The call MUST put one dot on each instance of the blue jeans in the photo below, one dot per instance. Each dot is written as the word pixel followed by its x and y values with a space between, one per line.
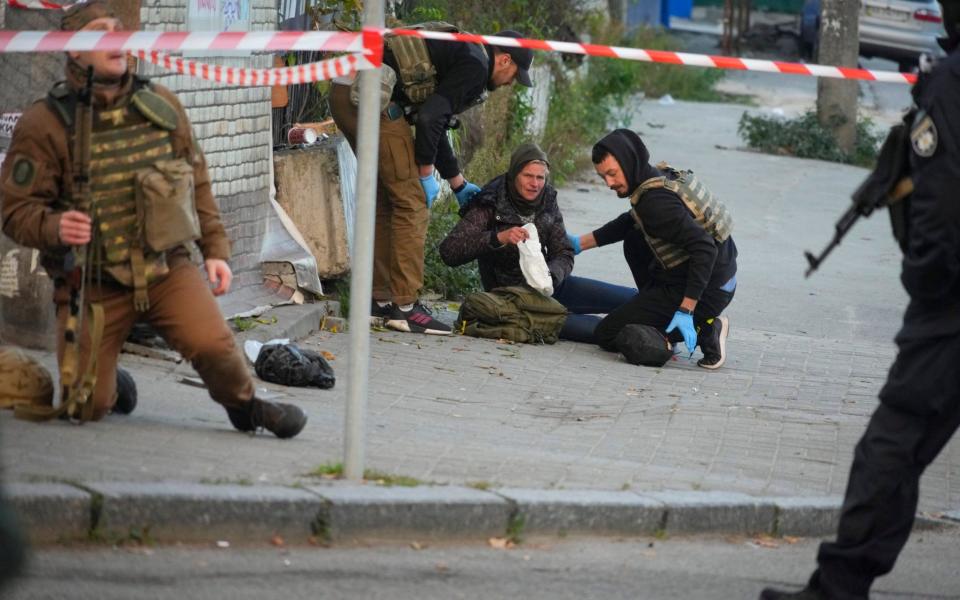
pixel 585 299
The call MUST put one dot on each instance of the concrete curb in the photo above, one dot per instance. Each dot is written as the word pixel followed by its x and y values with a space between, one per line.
pixel 347 513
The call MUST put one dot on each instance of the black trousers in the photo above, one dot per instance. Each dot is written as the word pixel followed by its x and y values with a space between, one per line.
pixel 919 412
pixel 655 303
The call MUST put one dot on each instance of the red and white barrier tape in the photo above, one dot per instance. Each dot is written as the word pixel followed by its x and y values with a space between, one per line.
pixel 80 41
pixel 676 58
pixel 308 73
pixel 36 4
pixel 369 42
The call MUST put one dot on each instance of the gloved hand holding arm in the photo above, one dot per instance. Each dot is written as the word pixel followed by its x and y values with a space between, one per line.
pixel 464 192
pixel 582 242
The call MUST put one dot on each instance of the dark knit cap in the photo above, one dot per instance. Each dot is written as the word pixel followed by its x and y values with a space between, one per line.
pixel 524 154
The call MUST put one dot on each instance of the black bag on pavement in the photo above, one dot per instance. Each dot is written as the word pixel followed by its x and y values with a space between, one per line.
pixel 287 364
pixel 644 345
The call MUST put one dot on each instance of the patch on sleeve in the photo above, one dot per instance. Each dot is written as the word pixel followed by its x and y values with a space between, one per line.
pixel 923 135
pixel 24 171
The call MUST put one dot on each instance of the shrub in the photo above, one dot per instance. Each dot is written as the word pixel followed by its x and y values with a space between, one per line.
pixel 805 137
pixel 449 282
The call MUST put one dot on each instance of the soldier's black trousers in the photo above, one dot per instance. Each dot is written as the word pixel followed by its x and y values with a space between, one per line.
pixel 655 303
pixel 919 411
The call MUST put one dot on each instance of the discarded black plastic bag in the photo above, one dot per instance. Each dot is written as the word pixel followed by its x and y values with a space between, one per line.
pixel 287 364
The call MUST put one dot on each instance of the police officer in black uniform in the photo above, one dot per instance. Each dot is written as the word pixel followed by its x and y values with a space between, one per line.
pixel 920 404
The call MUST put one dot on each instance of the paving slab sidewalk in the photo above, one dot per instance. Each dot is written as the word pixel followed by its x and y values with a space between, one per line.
pixel 571 434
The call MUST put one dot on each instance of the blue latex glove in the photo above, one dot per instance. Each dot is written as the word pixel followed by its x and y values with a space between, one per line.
pixel 430 188
pixel 575 242
pixel 684 323
pixel 469 190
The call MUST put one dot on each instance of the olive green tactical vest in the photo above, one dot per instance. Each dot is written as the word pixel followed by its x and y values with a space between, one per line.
pixel 123 142
pixel 415 69
pixel 705 208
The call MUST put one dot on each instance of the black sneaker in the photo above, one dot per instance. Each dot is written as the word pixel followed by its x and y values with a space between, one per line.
pixel 126 393
pixel 282 420
pixel 416 320
pixel 714 346
pixel 380 312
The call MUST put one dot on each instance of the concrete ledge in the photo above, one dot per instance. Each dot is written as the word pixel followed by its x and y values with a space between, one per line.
pixel 177 511
pixel 422 512
pixel 294 321
pixel 51 512
pixel 704 512
pixel 808 517
pixel 558 512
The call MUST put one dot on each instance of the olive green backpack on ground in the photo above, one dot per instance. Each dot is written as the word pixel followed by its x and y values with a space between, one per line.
pixel 517 313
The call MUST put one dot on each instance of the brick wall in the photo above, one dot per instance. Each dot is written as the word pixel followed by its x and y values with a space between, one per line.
pixel 232 124
pixel 233 127
pixel 27 77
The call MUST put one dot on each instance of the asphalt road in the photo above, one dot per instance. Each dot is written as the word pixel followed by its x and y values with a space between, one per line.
pixel 707 568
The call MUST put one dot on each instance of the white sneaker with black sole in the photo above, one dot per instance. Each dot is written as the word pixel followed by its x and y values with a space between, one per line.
pixel 416 320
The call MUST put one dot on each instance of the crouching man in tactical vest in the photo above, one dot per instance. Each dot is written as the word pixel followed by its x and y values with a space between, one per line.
pixel 676 239
pixel 425 84
pixel 105 178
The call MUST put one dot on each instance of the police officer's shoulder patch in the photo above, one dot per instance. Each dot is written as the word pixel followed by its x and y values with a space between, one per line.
pixel 923 135
pixel 24 171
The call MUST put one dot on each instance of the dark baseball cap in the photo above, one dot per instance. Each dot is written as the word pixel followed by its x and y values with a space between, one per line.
pixel 522 57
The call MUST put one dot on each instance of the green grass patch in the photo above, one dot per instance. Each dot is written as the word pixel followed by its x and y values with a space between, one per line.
pixel 805 137
pixel 248 323
pixel 480 485
pixel 515 528
pixel 335 471
pixel 226 481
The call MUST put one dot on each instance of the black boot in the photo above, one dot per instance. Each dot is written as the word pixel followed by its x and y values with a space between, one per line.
pixel 282 420
pixel 126 393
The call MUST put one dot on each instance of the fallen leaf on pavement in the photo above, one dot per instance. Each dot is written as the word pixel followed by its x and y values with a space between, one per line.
pixel 277 541
pixel 765 541
pixel 328 355
pixel 417 545
pixel 442 567
pixel 791 539
pixel 500 543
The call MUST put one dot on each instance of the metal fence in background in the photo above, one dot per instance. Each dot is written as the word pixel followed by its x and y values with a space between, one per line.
pixel 304 102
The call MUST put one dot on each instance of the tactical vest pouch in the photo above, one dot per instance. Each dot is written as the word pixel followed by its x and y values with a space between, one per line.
pixel 417 74
pixel 166 206
pixel 517 313
pixel 388 80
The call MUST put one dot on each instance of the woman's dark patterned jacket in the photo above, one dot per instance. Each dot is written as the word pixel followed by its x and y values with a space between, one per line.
pixel 488 213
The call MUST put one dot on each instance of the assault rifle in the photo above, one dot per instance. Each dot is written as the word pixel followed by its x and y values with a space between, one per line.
pixel 887 186
pixel 77 267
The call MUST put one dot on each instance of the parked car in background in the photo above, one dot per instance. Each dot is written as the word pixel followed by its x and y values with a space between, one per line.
pixel 898 30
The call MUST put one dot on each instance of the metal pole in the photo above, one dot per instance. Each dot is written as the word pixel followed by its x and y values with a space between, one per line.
pixel 361 279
